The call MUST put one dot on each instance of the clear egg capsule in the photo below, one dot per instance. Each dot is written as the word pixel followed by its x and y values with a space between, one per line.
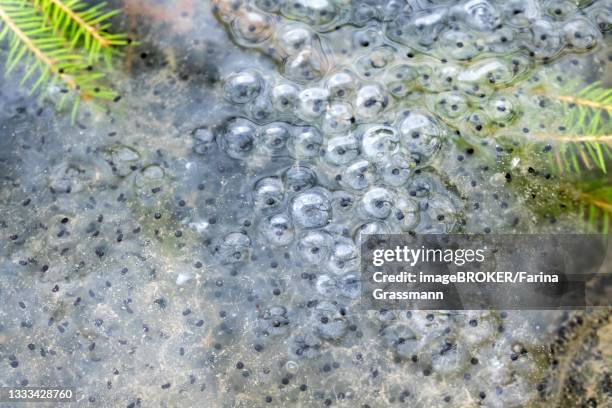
pixel 272 139
pixel 339 118
pixel 369 228
pixel 274 321
pixel 232 248
pixel 261 109
pixel 341 84
pixel 270 6
pixel 349 285
pixel 268 194
pixel 377 203
pixel 203 140
pixel 438 215
pixel 449 105
pixel 251 28
pixel 580 34
pixel 312 103
pixel 284 97
pixel 293 38
pixel 342 203
pixel 358 175
pixel 312 208
pixel 123 159
pixel 306 143
pixel 397 170
pixel 406 214
pixel 544 40
pixel 277 229
pixel 344 256
pixel 237 138
pixel 330 320
pixel 305 66
pixel 341 150
pixel 401 339
pixel 375 61
pixel 400 80
pixel 481 15
pixel 371 101
pixel 314 247
pixel 242 87
pixel 78 174
pixel 459 44
pixel 379 142
pixel 363 13
pixel 502 109
pixel 367 38
pixel 420 134
pixel 421 28
pixel 150 177
pixel 317 13
pixel 298 178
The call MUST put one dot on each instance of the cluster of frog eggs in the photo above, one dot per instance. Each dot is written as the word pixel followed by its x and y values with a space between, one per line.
pixel 459 30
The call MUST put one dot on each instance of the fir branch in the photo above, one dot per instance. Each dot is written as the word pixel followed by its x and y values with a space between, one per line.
pixel 575 138
pixel 84 26
pixel 586 117
pixel 46 58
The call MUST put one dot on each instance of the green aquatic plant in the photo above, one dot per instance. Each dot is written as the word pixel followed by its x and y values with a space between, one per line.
pixel 568 171
pixel 57 43
pixel 586 142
